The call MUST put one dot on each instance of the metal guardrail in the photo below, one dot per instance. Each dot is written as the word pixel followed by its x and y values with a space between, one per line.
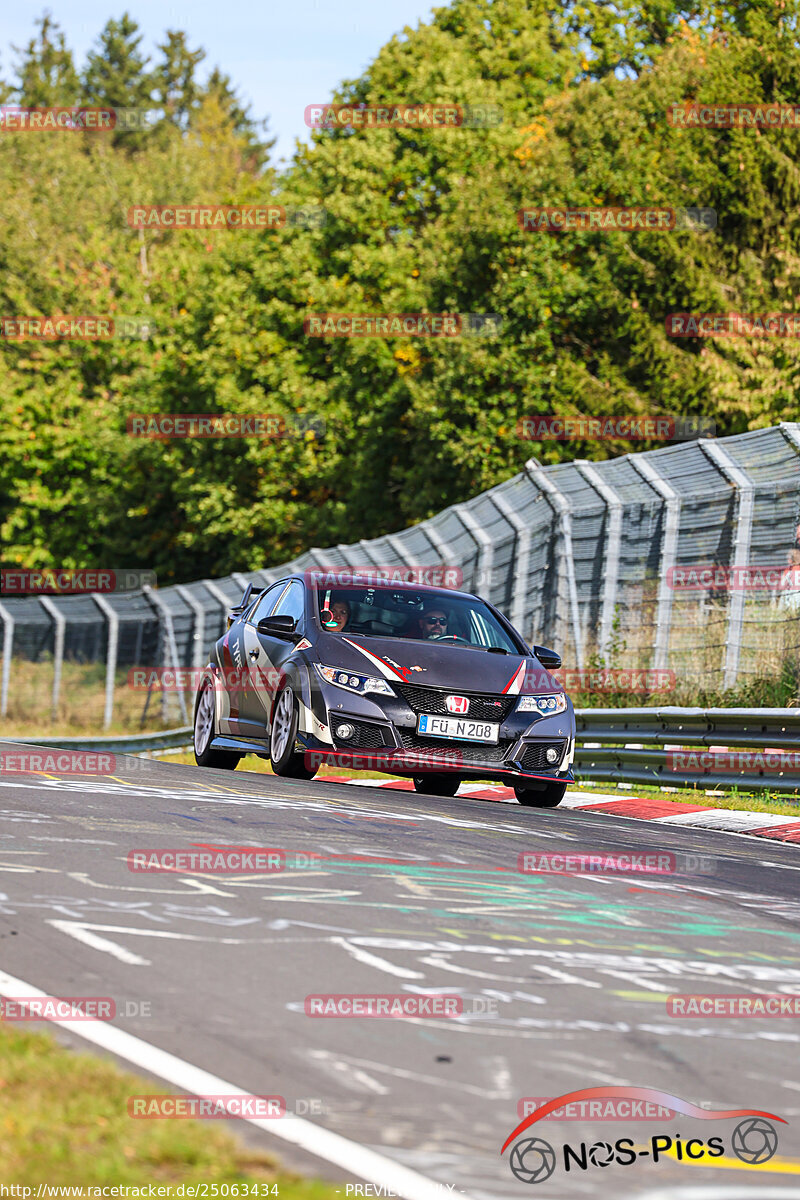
pixel 138 743
pixel 606 749
pixel 750 748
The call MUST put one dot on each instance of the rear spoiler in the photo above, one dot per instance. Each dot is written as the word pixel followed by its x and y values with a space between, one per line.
pixel 250 593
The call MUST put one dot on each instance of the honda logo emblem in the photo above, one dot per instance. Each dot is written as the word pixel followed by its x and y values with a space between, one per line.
pixel 457 704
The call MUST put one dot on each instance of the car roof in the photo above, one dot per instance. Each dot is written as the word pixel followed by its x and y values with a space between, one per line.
pixel 395 587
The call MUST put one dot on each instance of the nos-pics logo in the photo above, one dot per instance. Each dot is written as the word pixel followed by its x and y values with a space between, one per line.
pixel 533 1160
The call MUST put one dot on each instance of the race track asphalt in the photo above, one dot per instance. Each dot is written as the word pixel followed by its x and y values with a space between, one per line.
pixel 412 895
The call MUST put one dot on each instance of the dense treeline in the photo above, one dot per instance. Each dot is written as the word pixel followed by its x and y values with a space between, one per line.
pixel 417 221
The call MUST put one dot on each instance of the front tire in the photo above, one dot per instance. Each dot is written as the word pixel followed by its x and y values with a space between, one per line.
pixel 437 785
pixel 550 796
pixel 203 735
pixel 283 757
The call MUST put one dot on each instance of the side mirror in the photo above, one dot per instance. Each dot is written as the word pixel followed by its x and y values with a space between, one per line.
pixel 282 627
pixel 548 658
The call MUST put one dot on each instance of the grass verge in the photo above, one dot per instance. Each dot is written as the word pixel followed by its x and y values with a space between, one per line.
pixel 64 1120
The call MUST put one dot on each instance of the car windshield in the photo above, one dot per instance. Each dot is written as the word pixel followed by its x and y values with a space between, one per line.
pixel 429 615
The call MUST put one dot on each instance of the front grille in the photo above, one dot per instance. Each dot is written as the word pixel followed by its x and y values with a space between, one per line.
pixel 366 737
pixel 432 700
pixel 534 757
pixel 467 752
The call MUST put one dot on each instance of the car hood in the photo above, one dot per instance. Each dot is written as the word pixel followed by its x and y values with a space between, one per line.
pixel 425 664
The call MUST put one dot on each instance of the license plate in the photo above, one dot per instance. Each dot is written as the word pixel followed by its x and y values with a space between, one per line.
pixel 458 729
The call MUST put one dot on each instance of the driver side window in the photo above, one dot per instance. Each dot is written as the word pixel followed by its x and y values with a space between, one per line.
pixel 265 605
pixel 293 604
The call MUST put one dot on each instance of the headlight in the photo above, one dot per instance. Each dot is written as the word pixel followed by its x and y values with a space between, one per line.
pixel 545 706
pixel 352 682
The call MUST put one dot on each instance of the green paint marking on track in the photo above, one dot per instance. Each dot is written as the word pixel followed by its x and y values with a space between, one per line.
pixel 652 997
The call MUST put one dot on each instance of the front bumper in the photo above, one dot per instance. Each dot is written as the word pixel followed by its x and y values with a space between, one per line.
pixel 386 739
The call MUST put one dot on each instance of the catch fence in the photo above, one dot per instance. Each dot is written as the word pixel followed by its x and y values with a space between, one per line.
pixel 685 558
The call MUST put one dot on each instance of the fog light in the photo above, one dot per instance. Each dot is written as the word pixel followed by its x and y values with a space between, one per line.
pixel 551 755
pixel 344 731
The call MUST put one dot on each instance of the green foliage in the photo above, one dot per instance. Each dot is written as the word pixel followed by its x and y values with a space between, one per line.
pixel 418 221
pixel 116 73
pixel 46 72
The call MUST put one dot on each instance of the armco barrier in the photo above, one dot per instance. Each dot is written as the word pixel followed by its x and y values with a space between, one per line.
pixel 622 745
pixel 138 743
pixel 631 745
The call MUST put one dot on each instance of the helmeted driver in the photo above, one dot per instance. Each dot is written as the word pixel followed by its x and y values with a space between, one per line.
pixel 340 611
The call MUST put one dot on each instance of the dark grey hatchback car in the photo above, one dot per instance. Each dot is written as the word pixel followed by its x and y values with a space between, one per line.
pixel 424 682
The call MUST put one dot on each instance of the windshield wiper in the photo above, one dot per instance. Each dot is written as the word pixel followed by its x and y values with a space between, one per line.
pixel 495 650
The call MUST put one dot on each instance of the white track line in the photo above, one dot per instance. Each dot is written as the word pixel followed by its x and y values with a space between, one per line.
pixel 350 1156
pixel 728 818
pixel 723 820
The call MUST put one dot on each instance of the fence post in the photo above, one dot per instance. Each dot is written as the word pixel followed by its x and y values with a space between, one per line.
pixel 199 625
pixel 669 553
pixel 520 562
pixel 613 504
pixel 345 550
pixel 745 492
pixel 111 654
pixel 483 569
pixel 318 556
pixel 559 503
pixel 166 615
pixel 791 431
pixel 400 550
pixel 8 640
pixel 437 541
pixel 221 598
pixel 58 653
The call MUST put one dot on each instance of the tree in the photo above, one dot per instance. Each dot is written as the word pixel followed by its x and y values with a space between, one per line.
pixel 220 89
pixel 116 73
pixel 174 83
pixel 46 73
pixel 417 222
